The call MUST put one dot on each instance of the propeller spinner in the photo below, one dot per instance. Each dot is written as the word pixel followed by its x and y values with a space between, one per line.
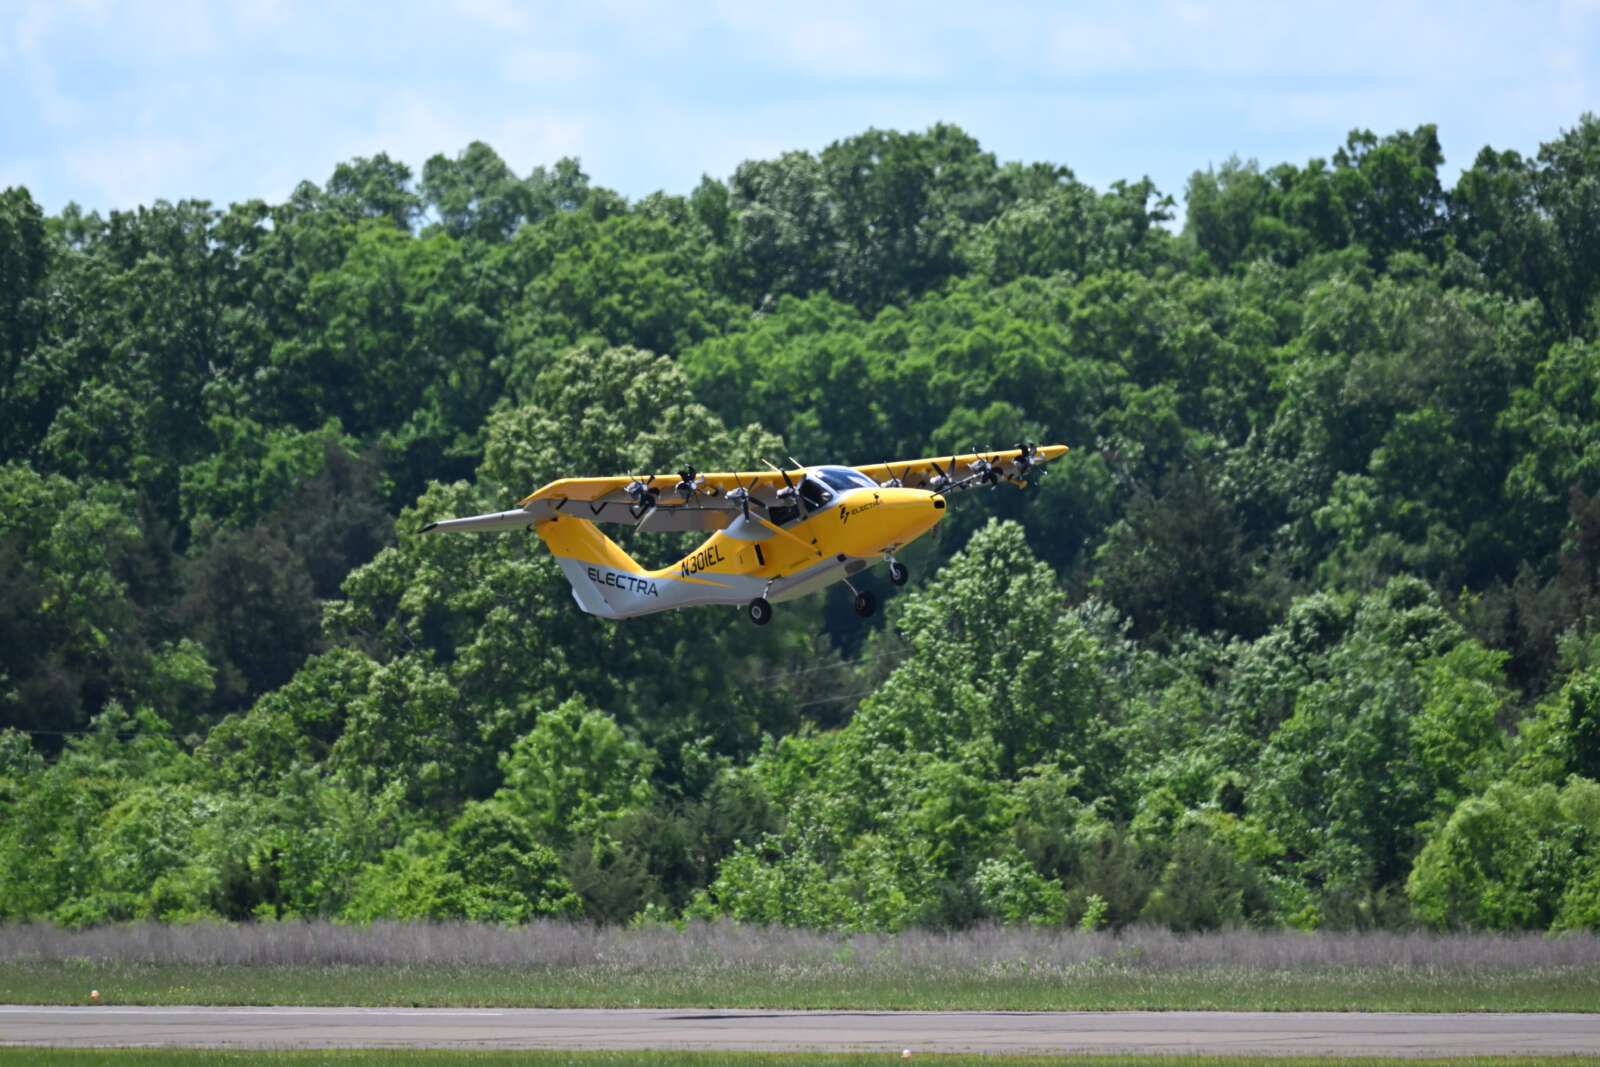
pixel 740 496
pixel 642 494
pixel 985 471
pixel 1028 460
pixel 689 483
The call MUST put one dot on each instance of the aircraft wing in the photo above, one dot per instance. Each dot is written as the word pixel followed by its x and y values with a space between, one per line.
pixel 712 488
pixel 609 500
pixel 764 485
pixel 923 473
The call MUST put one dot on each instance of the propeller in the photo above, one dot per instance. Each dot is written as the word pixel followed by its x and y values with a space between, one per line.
pixel 689 483
pixel 787 493
pixel 894 481
pixel 943 481
pixel 741 496
pixel 1027 460
pixel 642 495
pixel 985 470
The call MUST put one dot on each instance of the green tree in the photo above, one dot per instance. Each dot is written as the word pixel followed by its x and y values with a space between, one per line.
pixel 24 262
pixel 476 194
pixel 505 874
pixel 573 772
pixel 1512 858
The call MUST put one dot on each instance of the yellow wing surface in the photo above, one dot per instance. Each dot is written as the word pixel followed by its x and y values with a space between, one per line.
pixel 714 486
pixel 923 473
pixel 600 495
pixel 657 500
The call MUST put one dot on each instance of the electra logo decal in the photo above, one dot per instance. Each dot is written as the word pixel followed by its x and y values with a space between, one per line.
pixel 846 512
pixel 628 583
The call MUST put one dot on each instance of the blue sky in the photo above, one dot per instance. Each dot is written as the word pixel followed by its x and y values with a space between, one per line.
pixel 116 104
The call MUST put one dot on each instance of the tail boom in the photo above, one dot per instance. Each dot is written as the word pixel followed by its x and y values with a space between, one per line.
pixel 606 581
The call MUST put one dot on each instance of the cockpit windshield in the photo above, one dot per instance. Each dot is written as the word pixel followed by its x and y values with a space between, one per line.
pixel 844 479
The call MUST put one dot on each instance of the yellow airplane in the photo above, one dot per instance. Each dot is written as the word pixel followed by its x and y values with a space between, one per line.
pixel 779 534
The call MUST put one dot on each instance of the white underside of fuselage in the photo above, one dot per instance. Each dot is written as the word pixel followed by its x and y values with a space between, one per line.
pixel 614 594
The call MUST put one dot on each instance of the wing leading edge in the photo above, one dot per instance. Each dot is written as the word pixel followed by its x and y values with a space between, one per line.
pixel 924 473
pixel 608 500
pixel 916 473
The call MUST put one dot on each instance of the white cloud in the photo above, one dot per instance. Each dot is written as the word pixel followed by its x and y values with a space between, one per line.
pixel 541 66
pixel 188 98
pixel 499 14
pixel 539 140
pixel 128 171
pixel 414 129
pixel 833 40
pixel 259 14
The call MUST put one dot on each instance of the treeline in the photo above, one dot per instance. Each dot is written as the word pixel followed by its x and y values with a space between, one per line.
pixel 1303 631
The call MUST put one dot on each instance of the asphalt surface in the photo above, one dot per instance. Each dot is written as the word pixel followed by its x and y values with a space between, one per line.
pixel 1184 1032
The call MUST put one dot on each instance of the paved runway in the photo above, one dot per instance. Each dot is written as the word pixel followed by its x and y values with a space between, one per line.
pixel 1187 1032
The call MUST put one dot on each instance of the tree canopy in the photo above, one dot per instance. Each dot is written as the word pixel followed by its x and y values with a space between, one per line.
pixel 1305 631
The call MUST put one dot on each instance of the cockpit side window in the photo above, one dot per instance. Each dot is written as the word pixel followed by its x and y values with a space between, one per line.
pixel 813 493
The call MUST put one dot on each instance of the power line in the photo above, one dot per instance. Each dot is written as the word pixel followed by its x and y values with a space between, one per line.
pixel 823 667
pixel 84 730
pixel 833 699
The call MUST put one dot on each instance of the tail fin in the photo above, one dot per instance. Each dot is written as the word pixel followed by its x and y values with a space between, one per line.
pixel 605 580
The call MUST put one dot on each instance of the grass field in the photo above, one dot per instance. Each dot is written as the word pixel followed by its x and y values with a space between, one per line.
pixel 436 1058
pixel 1109 988
pixel 564 965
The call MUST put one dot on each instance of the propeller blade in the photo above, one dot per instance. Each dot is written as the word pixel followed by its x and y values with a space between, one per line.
pixel 787 492
pixel 742 496
pixel 781 471
pixel 642 494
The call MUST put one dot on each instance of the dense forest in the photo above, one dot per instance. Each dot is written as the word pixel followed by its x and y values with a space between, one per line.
pixel 1305 631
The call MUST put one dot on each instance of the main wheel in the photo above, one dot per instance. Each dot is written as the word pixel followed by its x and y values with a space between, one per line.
pixel 760 611
pixel 866 603
pixel 898 573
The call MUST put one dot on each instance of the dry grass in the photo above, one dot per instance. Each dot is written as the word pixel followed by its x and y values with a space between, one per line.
pixel 657 1058
pixel 727 946
pixel 724 965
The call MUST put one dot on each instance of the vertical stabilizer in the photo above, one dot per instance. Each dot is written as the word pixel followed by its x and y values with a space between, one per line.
pixel 605 580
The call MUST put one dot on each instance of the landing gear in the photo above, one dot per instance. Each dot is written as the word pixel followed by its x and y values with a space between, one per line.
pixel 898 572
pixel 866 603
pixel 760 611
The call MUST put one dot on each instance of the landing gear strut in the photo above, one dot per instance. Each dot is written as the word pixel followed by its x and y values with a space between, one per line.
pixel 760 611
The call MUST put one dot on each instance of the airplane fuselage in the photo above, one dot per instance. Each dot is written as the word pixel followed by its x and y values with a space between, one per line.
pixel 778 534
pixel 830 543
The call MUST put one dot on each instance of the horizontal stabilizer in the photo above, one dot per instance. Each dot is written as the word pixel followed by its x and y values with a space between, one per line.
pixel 516 519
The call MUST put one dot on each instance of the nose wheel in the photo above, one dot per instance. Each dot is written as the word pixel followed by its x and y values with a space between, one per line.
pixel 898 572
pixel 760 611
pixel 866 603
